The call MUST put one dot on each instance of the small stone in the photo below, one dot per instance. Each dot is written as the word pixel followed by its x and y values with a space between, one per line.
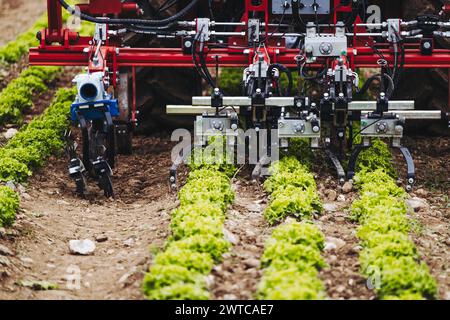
pixel 331 194
pixel 101 238
pixel 10 133
pixel 341 198
pixel 82 247
pixel 210 281
pixel 11 185
pixel 356 249
pixel 110 252
pixel 339 243
pixel 351 282
pixel 416 203
pixel 62 202
pixel 12 233
pixel 251 263
pixel 340 289
pixel 329 246
pixel 126 276
pixel 230 296
pixel 421 192
pixel 230 237
pixel 330 207
pixel 129 242
pixel 347 187
pixel 4 251
pixel 26 260
pixel 4 261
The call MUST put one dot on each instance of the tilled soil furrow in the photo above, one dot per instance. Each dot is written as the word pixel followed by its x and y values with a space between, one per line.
pixel 238 275
pixel 342 277
pixel 122 230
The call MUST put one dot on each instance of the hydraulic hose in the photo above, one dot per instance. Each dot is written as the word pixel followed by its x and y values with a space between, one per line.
pixel 390 89
pixel 135 22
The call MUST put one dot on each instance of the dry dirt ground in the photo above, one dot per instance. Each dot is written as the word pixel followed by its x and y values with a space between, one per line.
pixel 130 228
pixel 126 229
pixel 17 16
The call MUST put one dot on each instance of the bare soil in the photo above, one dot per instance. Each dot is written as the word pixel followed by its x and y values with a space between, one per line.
pixel 131 225
pixel 17 16
pixel 239 273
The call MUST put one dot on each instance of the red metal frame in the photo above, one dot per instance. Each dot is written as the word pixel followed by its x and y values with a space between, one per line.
pixel 71 49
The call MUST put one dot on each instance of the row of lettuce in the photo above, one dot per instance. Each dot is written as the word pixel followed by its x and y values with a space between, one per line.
pixel 17 97
pixel 29 149
pixel 197 239
pixel 389 258
pixel 292 255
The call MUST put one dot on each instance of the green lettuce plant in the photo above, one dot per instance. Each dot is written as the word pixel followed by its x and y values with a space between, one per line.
pixel 291 260
pixel 388 253
pixel 9 203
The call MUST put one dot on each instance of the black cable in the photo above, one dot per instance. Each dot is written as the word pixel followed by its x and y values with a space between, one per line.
pixel 166 5
pixel 285 70
pixel 162 22
pixel 365 128
pixel 367 84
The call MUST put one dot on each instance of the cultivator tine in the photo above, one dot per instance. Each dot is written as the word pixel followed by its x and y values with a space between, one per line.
pixel 76 166
pixel 337 165
pixel 103 173
pixel 411 175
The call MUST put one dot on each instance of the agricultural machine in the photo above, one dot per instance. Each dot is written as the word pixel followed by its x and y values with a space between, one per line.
pixel 322 43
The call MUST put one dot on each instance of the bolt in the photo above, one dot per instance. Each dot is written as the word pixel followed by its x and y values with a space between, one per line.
pixel 316 129
pixel 172 179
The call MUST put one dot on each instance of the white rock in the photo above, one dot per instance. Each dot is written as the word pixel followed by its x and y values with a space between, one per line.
pixel 416 203
pixel 10 133
pixel 26 260
pixel 330 207
pixel 251 263
pixel 83 247
pixel 329 246
pixel 230 237
pixel 11 185
pixel 4 251
pixel 129 242
pixel 230 296
pixel 347 187
pixel 341 198
pixel 338 243
pixel 210 280
pixel 62 202
pixel 331 194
